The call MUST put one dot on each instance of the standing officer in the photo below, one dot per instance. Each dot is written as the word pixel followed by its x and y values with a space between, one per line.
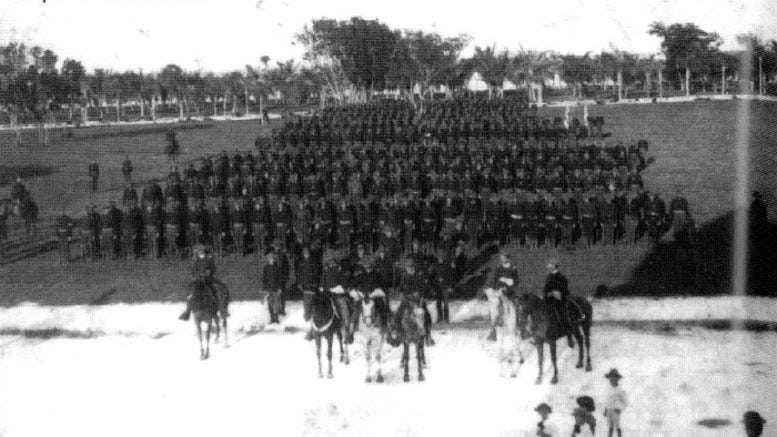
pixel 94 174
pixel 114 219
pixel 137 229
pixel 273 282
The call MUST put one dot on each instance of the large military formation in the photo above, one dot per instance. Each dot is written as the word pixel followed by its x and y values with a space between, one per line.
pixel 385 178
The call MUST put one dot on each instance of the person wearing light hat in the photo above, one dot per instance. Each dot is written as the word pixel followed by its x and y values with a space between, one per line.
pixel 754 424
pixel 544 427
pixel 556 291
pixel 615 402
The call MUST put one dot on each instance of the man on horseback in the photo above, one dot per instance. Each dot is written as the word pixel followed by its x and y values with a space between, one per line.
pixel 203 271
pixel 556 291
pixel 412 289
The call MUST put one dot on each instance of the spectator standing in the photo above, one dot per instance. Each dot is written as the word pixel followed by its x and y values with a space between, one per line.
pixel 615 403
pixel 126 170
pixel 94 174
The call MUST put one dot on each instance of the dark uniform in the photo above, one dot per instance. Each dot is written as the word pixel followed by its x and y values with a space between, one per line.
pixel 273 281
pixel 556 281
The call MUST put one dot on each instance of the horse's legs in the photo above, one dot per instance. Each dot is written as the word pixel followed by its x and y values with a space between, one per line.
pixel 329 341
pixel 420 359
pixel 553 380
pixel 368 357
pixel 540 353
pixel 344 348
pixel 405 359
pixel 226 335
pixel 199 336
pixel 207 339
pixel 318 355
pixel 587 336
pixel 218 328
pixel 579 340
pixel 378 357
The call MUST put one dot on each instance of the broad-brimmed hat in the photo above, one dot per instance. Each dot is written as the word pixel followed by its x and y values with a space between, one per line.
pixel 613 373
pixel 543 407
pixel 752 417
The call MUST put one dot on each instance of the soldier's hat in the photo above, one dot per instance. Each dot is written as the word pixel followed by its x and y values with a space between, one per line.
pixel 586 403
pixel 543 407
pixel 613 373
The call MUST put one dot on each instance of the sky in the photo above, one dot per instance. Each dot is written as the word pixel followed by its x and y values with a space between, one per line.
pixel 225 35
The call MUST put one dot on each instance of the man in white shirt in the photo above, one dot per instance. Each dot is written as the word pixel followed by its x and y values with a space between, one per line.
pixel 615 403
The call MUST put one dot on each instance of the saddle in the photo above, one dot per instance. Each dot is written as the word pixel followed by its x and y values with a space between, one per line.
pixel 574 312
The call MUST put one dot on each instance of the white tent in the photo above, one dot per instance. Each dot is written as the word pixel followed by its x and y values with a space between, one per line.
pixel 508 85
pixel 476 83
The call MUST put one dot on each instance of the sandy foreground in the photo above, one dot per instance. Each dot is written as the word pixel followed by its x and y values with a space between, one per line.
pixel 135 371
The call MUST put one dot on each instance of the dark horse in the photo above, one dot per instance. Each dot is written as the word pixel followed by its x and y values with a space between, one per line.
pixel 205 308
pixel 325 322
pixel 411 327
pixel 540 321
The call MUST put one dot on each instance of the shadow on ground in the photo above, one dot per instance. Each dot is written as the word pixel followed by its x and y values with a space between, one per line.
pixel 706 268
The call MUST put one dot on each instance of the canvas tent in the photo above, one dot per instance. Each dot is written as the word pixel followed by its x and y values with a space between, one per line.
pixel 476 83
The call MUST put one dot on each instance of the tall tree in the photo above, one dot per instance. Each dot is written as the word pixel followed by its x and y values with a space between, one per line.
pixel 687 48
pixel 73 75
pixel 363 49
pixel 172 82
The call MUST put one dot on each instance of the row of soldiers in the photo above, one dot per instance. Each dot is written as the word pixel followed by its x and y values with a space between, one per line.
pixel 362 173
pixel 439 220
pixel 458 121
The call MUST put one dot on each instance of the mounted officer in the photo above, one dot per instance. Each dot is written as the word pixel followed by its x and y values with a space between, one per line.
pixel 203 271
pixel 556 291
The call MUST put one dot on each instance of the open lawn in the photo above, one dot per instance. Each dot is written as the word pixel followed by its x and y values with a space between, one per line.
pixel 693 143
pixel 679 380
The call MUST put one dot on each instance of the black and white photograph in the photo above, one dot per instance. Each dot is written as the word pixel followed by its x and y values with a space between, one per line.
pixel 388 218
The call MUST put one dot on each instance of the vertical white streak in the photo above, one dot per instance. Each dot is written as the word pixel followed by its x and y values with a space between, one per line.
pixel 742 186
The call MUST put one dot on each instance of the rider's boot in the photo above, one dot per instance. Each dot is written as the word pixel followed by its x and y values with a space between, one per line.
pixel 569 329
pixel 309 335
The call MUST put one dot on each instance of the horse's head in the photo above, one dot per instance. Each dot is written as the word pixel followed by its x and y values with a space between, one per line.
pixel 368 311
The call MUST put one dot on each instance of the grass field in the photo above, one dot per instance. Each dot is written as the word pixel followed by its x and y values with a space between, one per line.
pixel 693 143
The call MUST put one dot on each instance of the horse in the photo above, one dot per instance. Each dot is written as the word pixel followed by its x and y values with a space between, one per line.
pixel 343 307
pixel 504 317
pixel 205 308
pixel 542 323
pixel 412 328
pixel 223 299
pixel 319 308
pixel 374 313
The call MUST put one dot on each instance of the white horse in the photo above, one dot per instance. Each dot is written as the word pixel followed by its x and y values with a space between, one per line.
pixel 504 318
pixel 373 313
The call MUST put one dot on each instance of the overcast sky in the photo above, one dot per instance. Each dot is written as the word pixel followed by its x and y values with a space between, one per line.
pixel 225 35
